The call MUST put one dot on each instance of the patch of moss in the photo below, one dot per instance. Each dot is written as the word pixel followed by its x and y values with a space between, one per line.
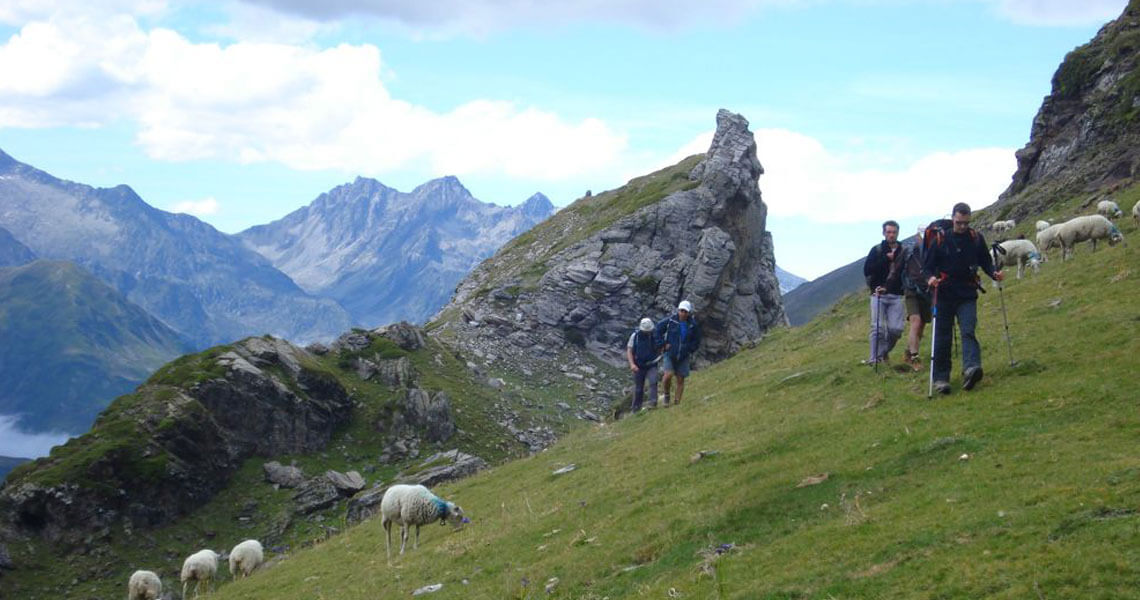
pixel 192 369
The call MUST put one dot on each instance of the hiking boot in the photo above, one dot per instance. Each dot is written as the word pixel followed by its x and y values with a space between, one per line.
pixel 971 378
pixel 942 387
pixel 913 360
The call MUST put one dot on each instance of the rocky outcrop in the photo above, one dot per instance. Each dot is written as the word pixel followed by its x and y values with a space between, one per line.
pixel 163 451
pixel 283 476
pixel 1085 139
pixel 706 243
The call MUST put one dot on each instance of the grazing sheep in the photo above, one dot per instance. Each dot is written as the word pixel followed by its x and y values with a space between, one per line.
pixel 246 557
pixel 1019 252
pixel 1136 211
pixel 144 585
pixel 200 567
pixel 1001 226
pixel 415 505
pixel 1108 208
pixel 1042 225
pixel 1047 239
pixel 1086 228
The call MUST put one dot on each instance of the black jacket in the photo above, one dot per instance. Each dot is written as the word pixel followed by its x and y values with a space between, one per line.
pixel 957 258
pixel 880 270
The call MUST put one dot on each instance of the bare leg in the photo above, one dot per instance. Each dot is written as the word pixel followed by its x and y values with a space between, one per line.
pixel 914 337
pixel 680 388
pixel 667 382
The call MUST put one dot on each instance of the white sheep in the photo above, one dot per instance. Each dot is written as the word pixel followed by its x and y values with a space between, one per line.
pixel 201 568
pixel 144 585
pixel 1108 208
pixel 1042 225
pixel 246 557
pixel 1047 239
pixel 1086 228
pixel 1136 211
pixel 1000 226
pixel 415 505
pixel 1019 252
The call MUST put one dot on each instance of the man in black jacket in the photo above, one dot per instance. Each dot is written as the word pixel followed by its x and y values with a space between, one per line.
pixel 882 272
pixel 951 268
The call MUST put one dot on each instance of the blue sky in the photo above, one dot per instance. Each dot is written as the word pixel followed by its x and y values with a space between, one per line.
pixel 242 111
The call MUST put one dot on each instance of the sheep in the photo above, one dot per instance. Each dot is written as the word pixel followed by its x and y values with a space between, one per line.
pixel 200 567
pixel 1019 252
pixel 1088 227
pixel 144 585
pixel 1042 225
pixel 1108 208
pixel 1000 226
pixel 1136 211
pixel 246 557
pixel 1046 239
pixel 415 505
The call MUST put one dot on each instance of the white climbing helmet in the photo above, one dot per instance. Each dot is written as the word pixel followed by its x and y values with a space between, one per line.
pixel 686 306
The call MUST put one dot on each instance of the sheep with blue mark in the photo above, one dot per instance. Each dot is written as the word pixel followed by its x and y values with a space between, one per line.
pixel 1019 252
pixel 1086 228
pixel 415 505
pixel 1108 208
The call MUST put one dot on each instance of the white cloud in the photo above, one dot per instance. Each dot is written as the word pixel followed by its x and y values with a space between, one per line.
pixel 1060 12
pixel 198 208
pixel 803 178
pixel 20 444
pixel 305 107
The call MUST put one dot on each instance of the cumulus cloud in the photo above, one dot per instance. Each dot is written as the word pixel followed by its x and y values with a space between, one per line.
pixel 804 179
pixel 198 208
pixel 20 444
pixel 302 106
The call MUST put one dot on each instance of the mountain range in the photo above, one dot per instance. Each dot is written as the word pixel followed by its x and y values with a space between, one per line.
pixel 386 255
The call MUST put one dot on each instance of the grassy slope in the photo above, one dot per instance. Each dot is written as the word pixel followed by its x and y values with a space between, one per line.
pixel 1044 506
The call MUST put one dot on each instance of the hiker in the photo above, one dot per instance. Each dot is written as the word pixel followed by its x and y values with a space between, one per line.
pixel 643 354
pixel 916 297
pixel 680 336
pixel 882 270
pixel 952 258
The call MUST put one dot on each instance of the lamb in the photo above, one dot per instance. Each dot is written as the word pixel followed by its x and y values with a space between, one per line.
pixel 1042 225
pixel 246 557
pixel 1000 226
pixel 1021 252
pixel 1108 208
pixel 1088 227
pixel 144 585
pixel 200 567
pixel 415 505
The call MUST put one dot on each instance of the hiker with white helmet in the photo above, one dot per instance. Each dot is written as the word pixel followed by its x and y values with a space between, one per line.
pixel 643 354
pixel 680 336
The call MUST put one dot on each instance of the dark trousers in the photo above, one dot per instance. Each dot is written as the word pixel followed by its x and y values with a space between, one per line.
pixel 965 311
pixel 639 378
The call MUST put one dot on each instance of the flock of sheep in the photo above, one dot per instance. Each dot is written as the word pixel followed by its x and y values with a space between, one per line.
pixel 1087 228
pixel 404 504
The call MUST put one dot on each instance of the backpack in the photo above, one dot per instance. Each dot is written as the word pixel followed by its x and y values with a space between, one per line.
pixel 917 286
pixel 938 231
pixel 644 348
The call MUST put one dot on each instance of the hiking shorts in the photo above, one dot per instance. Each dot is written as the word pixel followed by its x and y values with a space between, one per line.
pixel 917 305
pixel 679 368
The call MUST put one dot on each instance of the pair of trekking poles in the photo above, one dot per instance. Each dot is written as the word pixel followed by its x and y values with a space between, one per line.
pixel 934 328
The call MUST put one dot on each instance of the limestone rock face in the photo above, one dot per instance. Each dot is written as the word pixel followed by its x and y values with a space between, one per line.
pixel 1085 138
pixel 172 445
pixel 706 243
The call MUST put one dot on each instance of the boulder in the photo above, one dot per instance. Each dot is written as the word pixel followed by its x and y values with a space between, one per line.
pixel 443 466
pixel 407 336
pixel 315 494
pixel 365 505
pixel 284 476
pixel 346 483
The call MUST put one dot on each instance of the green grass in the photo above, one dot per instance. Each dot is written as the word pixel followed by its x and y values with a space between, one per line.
pixel 1043 506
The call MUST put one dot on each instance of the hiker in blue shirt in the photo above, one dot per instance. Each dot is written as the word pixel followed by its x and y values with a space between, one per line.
pixel 951 265
pixel 643 354
pixel 680 335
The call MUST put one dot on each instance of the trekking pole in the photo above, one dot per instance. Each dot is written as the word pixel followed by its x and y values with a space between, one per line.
pixel 933 336
pixel 1005 320
pixel 875 342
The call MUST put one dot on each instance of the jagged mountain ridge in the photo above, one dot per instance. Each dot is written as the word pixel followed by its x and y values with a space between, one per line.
pixel 582 279
pixel 202 283
pixel 12 252
pixel 70 344
pixel 1085 138
pixel 387 255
